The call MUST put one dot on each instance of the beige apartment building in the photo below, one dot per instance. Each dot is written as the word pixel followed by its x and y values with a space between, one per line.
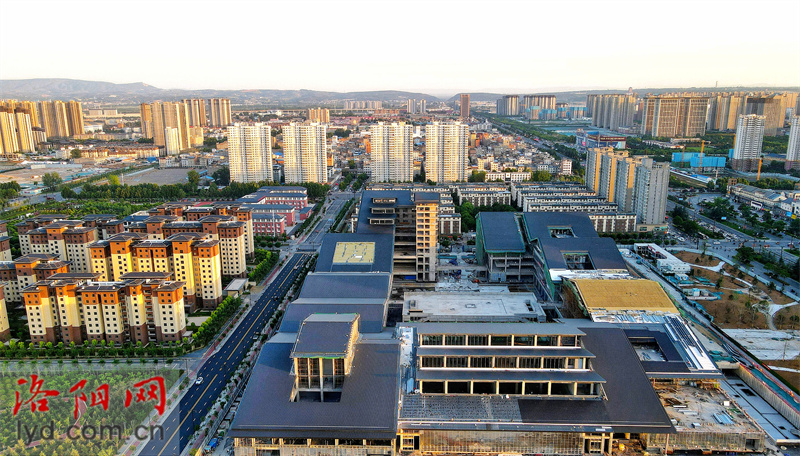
pixel 74 307
pixel 5 329
pixel 220 109
pixel 674 116
pixel 194 259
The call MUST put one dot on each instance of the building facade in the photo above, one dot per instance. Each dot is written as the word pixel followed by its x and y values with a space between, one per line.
pixel 793 149
pixel 749 138
pixel 305 153
pixel 391 156
pixel 674 116
pixel 446 158
pixel 250 152
pixel 220 109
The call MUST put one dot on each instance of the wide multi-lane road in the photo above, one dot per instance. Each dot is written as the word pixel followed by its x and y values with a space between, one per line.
pixel 181 422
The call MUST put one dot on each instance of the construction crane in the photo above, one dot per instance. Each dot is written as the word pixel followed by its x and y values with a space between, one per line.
pixel 700 165
pixel 758 175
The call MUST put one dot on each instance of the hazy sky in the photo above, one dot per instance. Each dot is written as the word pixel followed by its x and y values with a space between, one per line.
pixel 434 46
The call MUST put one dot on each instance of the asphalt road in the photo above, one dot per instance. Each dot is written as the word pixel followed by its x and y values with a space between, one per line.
pixel 338 200
pixel 180 423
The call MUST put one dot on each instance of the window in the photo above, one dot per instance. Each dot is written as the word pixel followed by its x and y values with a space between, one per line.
pixel 553 363
pixel 478 340
pixel 568 341
pixel 432 361
pixel 505 362
pixel 561 389
pixel 432 339
pixel 457 361
pixel 501 340
pixel 530 363
pixel 524 341
pixel 480 362
pixel 547 341
pixel 455 340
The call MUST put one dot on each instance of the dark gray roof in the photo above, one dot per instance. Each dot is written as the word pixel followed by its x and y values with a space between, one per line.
pixel 324 335
pixel 631 404
pixel 402 197
pixel 537 224
pixel 603 252
pixel 343 286
pixel 384 250
pixel 426 197
pixel 367 408
pixel 371 316
pixel 501 232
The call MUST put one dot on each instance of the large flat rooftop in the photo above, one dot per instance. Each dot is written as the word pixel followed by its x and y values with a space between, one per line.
pixel 601 296
pixel 471 306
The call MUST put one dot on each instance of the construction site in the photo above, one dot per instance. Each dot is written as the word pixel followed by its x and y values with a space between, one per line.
pixel 706 419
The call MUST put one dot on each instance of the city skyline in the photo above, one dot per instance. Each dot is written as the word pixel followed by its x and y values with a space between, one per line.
pixel 664 59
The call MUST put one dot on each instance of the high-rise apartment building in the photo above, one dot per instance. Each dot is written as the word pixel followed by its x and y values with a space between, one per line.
pixel 16 127
pixel 411 106
pixel 542 101
pixel 674 116
pixel 75 117
pixel 170 115
pixel 423 106
pixel 465 106
pixel 724 109
pixel 305 153
pixel 426 208
pixel 391 158
pixel 9 143
pixel 508 106
pixel 793 150
pixel 54 119
pixel 351 105
pixel 220 112
pixel 446 158
pixel 319 115
pixel 635 184
pixel 250 152
pixel 172 141
pixel 146 119
pixel 611 111
pixel 650 192
pixel 771 107
pixel 749 138
pixel 196 108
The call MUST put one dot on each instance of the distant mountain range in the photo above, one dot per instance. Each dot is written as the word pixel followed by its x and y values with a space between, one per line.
pixel 138 92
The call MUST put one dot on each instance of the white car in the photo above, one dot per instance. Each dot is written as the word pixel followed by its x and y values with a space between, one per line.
pixel 198 381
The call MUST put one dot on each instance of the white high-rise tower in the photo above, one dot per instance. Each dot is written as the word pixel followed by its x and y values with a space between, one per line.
pixel 250 152
pixel 305 153
pixel 391 152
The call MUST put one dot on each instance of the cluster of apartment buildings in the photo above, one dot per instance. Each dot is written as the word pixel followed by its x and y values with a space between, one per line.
pixel 481 372
pixel 177 126
pixel 25 124
pixel 636 184
pixel 538 107
pixel 750 132
pixel 685 115
pixel 180 250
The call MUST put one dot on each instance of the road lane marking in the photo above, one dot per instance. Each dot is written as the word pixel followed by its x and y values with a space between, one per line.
pixel 184 419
